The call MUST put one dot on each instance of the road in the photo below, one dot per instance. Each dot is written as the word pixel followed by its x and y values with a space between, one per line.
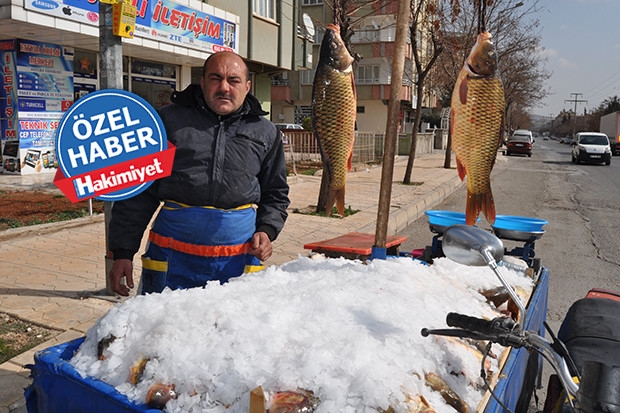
pixel 582 204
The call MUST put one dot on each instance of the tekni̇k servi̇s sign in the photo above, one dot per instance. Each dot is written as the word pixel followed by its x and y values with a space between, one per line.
pixel 111 145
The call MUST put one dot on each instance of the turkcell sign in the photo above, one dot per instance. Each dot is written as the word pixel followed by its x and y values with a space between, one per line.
pixel 111 145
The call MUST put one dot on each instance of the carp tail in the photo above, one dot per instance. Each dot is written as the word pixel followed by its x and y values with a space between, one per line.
pixel 476 203
pixel 339 197
pixel 335 197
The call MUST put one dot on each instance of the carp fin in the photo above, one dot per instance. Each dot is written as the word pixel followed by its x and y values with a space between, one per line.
pixel 461 169
pixel 350 162
pixel 488 208
pixel 463 88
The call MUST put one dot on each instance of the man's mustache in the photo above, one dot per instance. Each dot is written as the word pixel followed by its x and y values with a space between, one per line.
pixel 223 95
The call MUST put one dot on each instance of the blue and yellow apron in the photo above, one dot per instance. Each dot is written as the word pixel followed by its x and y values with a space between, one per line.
pixel 189 246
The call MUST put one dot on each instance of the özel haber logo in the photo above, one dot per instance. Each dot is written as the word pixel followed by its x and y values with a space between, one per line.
pixel 111 145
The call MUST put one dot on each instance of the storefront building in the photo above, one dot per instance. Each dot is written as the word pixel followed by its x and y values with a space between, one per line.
pixel 49 51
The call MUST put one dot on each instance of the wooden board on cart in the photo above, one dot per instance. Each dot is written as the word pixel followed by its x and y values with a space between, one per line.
pixel 354 245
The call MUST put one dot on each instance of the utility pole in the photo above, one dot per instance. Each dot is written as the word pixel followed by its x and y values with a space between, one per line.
pixel 111 77
pixel 551 122
pixel 575 100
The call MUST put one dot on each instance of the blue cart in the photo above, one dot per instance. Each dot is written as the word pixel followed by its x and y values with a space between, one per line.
pixel 57 387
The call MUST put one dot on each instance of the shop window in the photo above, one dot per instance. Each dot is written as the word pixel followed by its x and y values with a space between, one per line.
pixel 196 74
pixel 153 81
pixel 156 92
pixel 141 67
pixel 85 73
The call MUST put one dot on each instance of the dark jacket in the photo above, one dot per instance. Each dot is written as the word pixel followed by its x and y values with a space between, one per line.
pixel 223 162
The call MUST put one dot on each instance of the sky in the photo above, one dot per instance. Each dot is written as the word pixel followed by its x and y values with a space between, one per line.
pixel 581 41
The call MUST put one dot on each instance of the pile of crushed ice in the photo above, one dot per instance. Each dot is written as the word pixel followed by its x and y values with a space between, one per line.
pixel 347 331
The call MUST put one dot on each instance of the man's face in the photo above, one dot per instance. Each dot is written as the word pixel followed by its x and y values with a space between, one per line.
pixel 224 83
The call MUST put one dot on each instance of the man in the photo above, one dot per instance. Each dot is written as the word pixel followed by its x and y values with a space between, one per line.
pixel 226 199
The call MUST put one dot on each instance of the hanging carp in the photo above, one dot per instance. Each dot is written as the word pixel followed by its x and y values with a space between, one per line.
pixel 476 118
pixel 333 113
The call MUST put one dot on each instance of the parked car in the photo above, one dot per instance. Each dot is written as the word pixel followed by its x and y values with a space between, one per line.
pixel 591 147
pixel 282 126
pixel 520 142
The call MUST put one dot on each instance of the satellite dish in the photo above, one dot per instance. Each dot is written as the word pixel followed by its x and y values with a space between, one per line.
pixel 308 24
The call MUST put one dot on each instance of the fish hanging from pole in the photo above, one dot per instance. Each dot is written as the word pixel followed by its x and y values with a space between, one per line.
pixel 333 113
pixel 476 119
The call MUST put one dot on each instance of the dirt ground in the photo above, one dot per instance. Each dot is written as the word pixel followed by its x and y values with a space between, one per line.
pixel 23 208
pixel 17 336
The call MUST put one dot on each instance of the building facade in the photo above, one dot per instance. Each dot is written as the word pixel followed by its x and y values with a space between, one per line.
pixel 374 27
pixel 51 57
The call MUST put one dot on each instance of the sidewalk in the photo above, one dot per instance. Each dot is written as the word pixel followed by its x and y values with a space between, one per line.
pixel 54 274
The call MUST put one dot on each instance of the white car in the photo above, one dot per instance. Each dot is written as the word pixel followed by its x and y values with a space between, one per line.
pixel 591 147
pixel 281 126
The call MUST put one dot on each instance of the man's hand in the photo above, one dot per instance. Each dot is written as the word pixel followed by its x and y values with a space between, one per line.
pixel 261 246
pixel 122 268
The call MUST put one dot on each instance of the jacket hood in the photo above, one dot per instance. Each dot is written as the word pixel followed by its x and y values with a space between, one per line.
pixel 192 96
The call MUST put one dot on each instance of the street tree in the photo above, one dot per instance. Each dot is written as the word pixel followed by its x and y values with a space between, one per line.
pixel 517 33
pixel 424 30
pixel 609 105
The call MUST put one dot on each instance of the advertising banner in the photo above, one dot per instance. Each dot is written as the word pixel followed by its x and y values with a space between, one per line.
pixel 162 20
pixel 9 143
pixel 37 89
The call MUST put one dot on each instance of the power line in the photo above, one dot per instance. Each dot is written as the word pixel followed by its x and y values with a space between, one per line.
pixel 575 100
pixel 603 87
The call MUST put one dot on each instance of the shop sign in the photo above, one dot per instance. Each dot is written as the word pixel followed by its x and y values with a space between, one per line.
pixel 8 91
pixel 161 20
pixel 111 145
pixel 36 88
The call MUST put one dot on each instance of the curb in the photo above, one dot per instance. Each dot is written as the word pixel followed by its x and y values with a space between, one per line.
pixel 42 229
pixel 402 218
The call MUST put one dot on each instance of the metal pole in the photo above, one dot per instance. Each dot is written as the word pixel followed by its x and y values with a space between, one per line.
pixel 391 129
pixel 110 77
pixel 575 100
